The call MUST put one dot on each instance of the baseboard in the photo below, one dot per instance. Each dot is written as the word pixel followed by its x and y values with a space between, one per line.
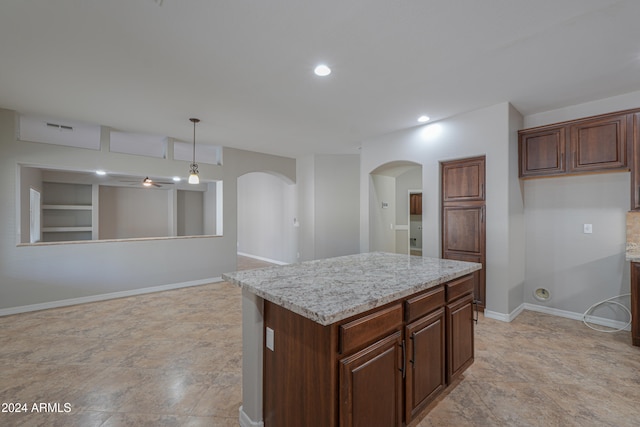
pixel 615 324
pixel 504 317
pixel 103 297
pixel 245 421
pixel 272 261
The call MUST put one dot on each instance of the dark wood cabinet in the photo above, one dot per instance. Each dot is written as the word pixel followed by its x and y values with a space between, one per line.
pixel 463 180
pixel 379 368
pixel 542 152
pixel 635 303
pixel 635 163
pixel 463 216
pixel 591 144
pixel 426 371
pixel 460 320
pixel 371 385
pixel 415 204
pixel 600 143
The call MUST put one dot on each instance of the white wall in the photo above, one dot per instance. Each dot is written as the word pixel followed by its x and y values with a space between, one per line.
pixel 266 210
pixel 36 274
pixel 489 131
pixel 578 269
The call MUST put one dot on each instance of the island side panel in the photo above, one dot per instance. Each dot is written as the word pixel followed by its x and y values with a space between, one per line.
pixel 252 364
pixel 300 374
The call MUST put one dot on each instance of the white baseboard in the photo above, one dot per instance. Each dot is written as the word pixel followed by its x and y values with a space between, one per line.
pixel 504 317
pixel 616 324
pixel 272 261
pixel 103 297
pixel 246 421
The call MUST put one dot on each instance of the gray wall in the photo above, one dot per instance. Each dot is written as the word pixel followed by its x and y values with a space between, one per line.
pixel 579 269
pixel 266 212
pixel 328 205
pixel 36 274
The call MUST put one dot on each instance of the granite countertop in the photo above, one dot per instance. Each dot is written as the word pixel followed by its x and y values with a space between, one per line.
pixel 329 290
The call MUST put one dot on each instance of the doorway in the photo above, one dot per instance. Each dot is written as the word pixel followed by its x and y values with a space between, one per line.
pixel 415 222
pixel 390 218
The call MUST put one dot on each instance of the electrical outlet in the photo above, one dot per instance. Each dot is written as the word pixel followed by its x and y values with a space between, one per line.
pixel 588 228
pixel 270 339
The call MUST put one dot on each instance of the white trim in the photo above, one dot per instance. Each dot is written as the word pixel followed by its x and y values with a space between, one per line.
pixel 272 261
pixel 504 317
pixel 103 297
pixel 245 421
pixel 616 324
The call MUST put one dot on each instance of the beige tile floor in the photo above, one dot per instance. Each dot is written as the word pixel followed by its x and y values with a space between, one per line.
pixel 173 359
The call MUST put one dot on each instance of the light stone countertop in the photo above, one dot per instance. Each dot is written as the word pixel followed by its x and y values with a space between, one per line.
pixel 330 290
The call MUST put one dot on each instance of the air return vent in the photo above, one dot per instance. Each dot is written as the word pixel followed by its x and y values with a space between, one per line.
pixel 60 127
pixel 53 131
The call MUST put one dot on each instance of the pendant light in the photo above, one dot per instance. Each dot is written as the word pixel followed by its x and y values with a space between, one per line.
pixel 193 169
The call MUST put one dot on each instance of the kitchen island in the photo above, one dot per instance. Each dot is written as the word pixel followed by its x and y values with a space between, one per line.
pixel 367 339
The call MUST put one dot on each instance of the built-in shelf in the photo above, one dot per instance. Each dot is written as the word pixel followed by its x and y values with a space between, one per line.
pixel 67 212
pixel 69 207
pixel 65 229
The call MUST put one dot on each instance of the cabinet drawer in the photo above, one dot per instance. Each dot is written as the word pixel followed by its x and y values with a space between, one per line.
pixel 369 328
pixel 423 304
pixel 459 287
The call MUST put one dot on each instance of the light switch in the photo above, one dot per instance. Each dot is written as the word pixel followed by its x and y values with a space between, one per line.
pixel 588 228
pixel 270 339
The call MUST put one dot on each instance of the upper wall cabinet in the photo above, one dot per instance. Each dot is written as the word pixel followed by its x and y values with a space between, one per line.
pixel 587 145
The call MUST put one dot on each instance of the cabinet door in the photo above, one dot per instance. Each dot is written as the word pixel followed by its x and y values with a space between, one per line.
pixel 542 152
pixel 371 385
pixel 459 336
pixel 463 180
pixel 635 303
pixel 599 144
pixel 635 163
pixel 415 204
pixel 426 375
pixel 463 239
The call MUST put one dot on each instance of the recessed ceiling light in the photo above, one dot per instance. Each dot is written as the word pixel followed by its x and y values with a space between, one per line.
pixel 100 172
pixel 322 70
pixel 423 119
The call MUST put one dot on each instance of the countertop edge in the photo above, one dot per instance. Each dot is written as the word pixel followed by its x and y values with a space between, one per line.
pixel 355 310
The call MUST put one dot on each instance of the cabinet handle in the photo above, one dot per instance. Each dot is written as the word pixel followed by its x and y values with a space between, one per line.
pixel 404 360
pixel 413 348
pixel 477 316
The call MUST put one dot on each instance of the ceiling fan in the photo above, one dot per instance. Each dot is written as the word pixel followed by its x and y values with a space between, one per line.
pixel 148 182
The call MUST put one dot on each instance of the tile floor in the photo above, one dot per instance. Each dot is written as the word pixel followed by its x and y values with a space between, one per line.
pixel 173 359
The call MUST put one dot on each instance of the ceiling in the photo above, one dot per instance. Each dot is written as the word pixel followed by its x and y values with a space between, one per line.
pixel 245 68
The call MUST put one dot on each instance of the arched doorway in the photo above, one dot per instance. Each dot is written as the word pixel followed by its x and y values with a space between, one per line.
pixel 393 225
